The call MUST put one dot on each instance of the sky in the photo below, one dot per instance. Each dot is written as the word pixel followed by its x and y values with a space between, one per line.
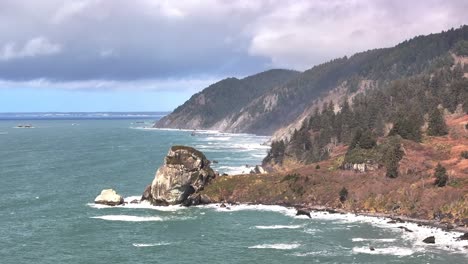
pixel 152 55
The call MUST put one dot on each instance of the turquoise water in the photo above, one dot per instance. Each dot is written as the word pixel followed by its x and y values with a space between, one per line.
pixel 51 174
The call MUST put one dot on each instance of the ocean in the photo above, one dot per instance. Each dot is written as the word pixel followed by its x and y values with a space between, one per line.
pixel 50 175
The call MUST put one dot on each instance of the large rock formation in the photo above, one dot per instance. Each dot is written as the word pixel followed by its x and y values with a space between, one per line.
pixel 185 172
pixel 109 197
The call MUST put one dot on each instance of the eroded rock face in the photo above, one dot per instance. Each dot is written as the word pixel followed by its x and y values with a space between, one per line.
pixel 185 172
pixel 109 197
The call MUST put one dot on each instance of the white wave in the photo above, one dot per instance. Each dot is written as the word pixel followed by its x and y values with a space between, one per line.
pixel 129 218
pixel 257 207
pixel 217 138
pixel 233 169
pixel 276 246
pixel 359 239
pixel 444 240
pixel 141 205
pixel 151 244
pixel 279 227
pixel 396 251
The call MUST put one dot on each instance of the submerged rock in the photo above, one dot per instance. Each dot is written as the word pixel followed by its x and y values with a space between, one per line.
pixel 109 197
pixel 185 172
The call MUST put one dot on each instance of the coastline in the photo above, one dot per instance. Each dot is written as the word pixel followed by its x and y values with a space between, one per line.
pixel 419 229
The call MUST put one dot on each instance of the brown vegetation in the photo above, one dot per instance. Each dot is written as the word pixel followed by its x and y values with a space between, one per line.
pixel 412 194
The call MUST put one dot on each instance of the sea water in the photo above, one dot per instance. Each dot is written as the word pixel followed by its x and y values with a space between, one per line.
pixel 50 175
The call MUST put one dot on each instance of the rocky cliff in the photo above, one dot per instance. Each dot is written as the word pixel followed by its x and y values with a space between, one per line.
pixel 184 173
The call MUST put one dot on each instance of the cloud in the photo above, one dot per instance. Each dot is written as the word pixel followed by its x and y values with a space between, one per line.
pixel 126 43
pixel 183 84
pixel 39 46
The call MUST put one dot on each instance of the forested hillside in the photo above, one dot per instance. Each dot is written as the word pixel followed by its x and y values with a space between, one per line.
pixel 210 107
pixel 275 104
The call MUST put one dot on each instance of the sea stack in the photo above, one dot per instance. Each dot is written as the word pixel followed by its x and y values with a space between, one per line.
pixel 184 173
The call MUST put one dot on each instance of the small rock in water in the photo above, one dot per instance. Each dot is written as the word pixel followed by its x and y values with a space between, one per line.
pixel 463 237
pixel 429 240
pixel 405 228
pixel 303 212
pixel 134 201
pixel 372 248
pixel 109 197
pixel 222 205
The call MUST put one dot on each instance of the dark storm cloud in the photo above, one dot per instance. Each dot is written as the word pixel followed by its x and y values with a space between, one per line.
pixel 91 42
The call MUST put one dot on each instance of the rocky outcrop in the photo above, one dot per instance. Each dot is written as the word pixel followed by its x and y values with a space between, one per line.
pixel 109 197
pixel 303 212
pixel 429 240
pixel 258 170
pixel 184 173
pixel 361 167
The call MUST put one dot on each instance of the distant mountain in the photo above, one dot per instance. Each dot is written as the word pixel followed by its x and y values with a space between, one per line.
pixel 280 100
pixel 216 106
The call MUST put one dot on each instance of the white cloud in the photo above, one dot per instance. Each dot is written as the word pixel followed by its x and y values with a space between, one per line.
pixel 69 9
pixel 182 85
pixel 39 46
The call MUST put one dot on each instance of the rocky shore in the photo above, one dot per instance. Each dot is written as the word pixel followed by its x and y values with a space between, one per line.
pixel 187 179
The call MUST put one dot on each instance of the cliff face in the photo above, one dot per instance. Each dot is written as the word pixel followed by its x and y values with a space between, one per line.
pixel 185 172
pixel 217 106
pixel 279 100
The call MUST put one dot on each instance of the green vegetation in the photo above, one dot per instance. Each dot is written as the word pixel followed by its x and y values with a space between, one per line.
pixel 440 174
pixel 317 167
pixel 437 126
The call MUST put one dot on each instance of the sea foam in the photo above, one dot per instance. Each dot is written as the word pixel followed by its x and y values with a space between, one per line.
pixel 151 244
pixel 396 251
pixel 129 218
pixel 276 246
pixel 279 227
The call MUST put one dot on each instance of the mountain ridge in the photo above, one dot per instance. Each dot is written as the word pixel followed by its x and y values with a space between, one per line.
pixel 271 110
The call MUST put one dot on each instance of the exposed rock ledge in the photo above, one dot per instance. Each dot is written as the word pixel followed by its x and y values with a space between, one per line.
pixel 184 173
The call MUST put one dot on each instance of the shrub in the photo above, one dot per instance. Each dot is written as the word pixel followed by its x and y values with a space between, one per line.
pixel 317 167
pixel 343 194
pixel 290 177
pixel 440 173
pixel 464 154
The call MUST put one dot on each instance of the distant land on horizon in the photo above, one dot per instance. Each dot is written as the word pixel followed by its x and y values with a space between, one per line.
pixel 80 115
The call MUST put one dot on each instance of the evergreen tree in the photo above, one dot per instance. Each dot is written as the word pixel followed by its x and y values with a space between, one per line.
pixel 392 154
pixel 440 173
pixel 437 126
pixel 407 126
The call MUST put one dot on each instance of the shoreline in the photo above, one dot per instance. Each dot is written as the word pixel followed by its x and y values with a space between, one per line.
pixel 397 219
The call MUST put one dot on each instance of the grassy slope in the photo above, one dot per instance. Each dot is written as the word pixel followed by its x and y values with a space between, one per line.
pixel 412 194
